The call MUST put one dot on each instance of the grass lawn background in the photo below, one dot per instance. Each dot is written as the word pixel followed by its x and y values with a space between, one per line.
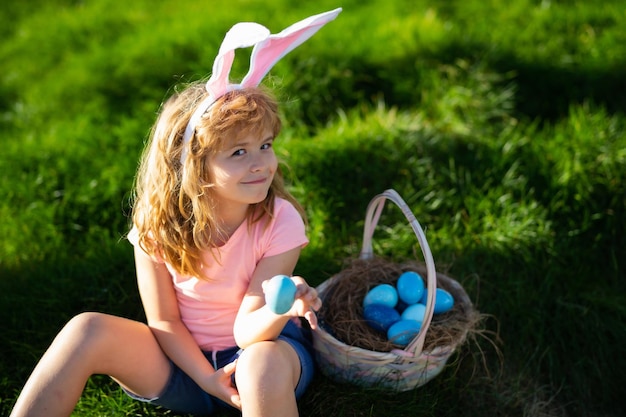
pixel 500 123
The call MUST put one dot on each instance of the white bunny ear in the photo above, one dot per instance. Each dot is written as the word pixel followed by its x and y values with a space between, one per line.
pixel 270 50
pixel 242 35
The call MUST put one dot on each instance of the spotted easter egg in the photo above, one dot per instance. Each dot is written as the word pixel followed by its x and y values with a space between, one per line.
pixel 403 331
pixel 410 287
pixel 380 317
pixel 384 294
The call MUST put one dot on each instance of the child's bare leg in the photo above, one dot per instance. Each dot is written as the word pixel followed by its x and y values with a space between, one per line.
pixel 267 374
pixel 93 343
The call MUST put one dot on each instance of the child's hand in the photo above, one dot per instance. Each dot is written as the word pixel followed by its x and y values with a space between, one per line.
pixel 307 301
pixel 220 385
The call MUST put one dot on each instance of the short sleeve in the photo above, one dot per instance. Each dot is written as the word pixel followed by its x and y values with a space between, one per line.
pixel 287 230
pixel 133 236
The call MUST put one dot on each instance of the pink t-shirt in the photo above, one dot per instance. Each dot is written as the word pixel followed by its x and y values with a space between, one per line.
pixel 209 307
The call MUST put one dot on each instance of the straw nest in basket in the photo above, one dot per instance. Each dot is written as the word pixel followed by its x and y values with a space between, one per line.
pixel 342 311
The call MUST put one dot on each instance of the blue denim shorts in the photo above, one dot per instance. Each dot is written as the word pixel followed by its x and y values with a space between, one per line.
pixel 183 395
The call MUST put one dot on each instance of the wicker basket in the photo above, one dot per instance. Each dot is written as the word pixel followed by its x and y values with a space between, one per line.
pixel 397 369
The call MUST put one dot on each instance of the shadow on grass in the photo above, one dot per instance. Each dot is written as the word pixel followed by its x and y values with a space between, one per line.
pixel 558 298
pixel 561 311
pixel 37 300
pixel 544 90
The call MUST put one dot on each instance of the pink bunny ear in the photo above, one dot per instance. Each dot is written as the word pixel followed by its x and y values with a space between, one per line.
pixel 269 51
pixel 242 35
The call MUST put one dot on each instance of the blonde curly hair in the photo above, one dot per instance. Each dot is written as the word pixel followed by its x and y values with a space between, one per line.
pixel 173 208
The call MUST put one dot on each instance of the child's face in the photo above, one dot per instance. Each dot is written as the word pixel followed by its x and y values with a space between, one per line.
pixel 243 171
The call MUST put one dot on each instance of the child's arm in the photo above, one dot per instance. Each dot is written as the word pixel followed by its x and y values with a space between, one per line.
pixel 255 321
pixel 161 307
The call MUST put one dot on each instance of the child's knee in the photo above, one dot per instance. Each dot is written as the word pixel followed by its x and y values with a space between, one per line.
pixel 85 323
pixel 273 363
pixel 269 356
pixel 88 329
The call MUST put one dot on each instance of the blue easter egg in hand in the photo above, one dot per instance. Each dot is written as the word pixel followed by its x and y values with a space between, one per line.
pixel 402 332
pixel 380 317
pixel 280 293
pixel 414 312
pixel 384 294
pixel 410 287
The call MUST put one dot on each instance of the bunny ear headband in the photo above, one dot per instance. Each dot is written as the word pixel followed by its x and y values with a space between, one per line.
pixel 268 50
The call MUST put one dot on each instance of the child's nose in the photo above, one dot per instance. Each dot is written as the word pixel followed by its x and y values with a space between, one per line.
pixel 258 162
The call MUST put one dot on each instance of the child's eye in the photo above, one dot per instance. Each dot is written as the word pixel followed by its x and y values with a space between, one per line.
pixel 239 152
pixel 267 145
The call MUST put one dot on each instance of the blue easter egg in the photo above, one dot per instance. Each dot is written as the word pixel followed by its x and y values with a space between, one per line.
pixel 414 312
pixel 384 294
pixel 410 287
pixel 280 293
pixel 403 331
pixel 380 317
pixel 444 301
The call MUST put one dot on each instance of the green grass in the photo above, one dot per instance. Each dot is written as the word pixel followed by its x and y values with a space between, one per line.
pixel 500 123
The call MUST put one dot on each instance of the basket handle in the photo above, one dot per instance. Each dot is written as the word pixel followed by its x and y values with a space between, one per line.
pixel 374 210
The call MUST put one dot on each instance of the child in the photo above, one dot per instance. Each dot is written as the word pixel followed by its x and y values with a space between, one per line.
pixel 212 223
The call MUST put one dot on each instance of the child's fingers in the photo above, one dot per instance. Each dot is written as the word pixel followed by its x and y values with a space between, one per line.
pixel 316 304
pixel 304 290
pixel 311 317
pixel 230 368
pixel 301 285
pixel 311 298
pixel 235 400
pixel 309 301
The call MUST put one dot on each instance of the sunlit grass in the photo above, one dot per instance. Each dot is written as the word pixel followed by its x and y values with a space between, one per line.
pixel 500 123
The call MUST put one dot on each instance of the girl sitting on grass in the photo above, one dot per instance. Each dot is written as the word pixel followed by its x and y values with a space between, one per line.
pixel 212 223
